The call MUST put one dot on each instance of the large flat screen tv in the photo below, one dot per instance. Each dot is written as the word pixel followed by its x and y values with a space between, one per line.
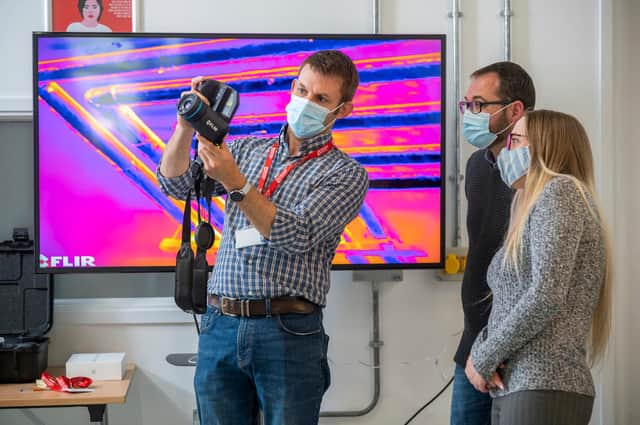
pixel 105 106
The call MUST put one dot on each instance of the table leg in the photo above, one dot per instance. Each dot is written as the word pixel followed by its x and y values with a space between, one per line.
pixel 98 414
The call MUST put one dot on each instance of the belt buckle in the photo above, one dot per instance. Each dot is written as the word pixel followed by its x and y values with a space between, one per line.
pixel 224 304
pixel 245 310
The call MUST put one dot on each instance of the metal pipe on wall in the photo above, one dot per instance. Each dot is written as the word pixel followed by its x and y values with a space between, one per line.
pixel 457 176
pixel 375 344
pixel 375 17
pixel 507 13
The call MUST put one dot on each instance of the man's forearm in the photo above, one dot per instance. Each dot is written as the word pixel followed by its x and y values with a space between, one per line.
pixel 176 157
pixel 259 210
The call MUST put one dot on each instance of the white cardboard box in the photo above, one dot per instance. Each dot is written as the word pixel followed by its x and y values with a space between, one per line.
pixel 97 366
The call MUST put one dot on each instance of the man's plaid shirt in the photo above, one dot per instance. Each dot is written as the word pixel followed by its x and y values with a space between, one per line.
pixel 313 205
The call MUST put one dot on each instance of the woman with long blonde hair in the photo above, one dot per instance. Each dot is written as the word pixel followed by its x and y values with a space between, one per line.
pixel 551 280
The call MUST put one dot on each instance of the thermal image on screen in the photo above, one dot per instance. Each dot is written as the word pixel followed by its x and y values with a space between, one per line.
pixel 106 107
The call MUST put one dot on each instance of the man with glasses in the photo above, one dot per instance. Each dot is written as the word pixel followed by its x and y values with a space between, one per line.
pixel 497 97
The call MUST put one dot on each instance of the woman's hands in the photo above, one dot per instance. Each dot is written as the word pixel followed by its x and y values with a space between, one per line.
pixel 478 382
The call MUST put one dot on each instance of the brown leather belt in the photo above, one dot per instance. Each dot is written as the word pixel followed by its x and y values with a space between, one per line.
pixel 252 308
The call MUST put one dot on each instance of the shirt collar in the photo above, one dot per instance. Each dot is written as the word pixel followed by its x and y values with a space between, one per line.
pixel 488 155
pixel 308 145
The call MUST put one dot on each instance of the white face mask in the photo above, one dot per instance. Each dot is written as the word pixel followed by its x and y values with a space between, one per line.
pixel 306 118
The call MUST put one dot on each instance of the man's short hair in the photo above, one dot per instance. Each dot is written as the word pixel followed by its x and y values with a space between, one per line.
pixel 337 64
pixel 515 83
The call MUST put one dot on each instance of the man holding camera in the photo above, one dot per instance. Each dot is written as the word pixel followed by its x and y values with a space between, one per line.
pixel 262 344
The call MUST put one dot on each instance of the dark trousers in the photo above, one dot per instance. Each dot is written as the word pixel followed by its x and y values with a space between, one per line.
pixel 538 407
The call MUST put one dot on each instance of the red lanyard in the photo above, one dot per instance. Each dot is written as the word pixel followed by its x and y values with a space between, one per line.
pixel 283 174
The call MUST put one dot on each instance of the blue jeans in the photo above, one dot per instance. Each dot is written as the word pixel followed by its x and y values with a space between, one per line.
pixel 275 364
pixel 468 405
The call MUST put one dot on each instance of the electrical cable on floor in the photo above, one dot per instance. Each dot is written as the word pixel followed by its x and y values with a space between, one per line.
pixel 429 402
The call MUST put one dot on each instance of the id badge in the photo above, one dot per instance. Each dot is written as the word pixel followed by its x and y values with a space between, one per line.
pixel 249 236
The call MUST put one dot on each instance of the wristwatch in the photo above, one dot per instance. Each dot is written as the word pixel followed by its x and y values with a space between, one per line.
pixel 239 194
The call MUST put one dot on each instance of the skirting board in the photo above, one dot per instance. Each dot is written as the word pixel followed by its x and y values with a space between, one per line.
pixel 94 311
pixel 15 108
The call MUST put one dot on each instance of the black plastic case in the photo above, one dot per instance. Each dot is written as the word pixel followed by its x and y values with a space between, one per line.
pixel 26 313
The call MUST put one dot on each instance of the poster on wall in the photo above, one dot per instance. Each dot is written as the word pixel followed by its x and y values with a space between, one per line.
pixel 93 15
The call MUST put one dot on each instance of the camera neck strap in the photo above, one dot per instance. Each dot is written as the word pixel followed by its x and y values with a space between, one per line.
pixel 326 148
pixel 196 187
pixel 186 220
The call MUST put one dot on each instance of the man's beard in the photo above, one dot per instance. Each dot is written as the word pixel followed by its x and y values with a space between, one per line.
pixel 501 126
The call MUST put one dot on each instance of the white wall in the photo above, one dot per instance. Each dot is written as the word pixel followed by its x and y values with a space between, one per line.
pixel 17 20
pixel 583 57
pixel 624 142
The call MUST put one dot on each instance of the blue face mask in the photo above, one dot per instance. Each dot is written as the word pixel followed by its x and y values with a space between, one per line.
pixel 475 128
pixel 513 164
pixel 306 118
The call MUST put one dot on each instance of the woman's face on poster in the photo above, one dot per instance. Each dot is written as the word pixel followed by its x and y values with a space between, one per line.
pixel 91 11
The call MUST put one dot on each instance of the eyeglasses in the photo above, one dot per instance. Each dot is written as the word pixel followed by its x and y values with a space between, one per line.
pixel 475 106
pixel 514 142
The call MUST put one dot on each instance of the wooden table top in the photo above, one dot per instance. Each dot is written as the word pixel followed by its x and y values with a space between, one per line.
pixel 106 392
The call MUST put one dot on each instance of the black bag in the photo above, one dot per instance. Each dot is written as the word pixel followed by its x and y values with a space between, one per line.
pixel 26 312
pixel 192 272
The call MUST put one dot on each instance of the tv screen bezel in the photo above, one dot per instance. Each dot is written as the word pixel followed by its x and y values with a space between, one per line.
pixel 163 269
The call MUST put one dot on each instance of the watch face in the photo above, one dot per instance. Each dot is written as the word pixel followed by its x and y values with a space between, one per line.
pixel 236 196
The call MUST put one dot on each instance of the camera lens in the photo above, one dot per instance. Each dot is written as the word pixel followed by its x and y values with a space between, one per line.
pixel 188 103
pixel 190 107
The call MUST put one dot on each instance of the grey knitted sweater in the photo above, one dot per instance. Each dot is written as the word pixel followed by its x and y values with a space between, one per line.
pixel 541 315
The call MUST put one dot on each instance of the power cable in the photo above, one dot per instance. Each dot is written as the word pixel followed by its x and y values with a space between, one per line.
pixel 429 402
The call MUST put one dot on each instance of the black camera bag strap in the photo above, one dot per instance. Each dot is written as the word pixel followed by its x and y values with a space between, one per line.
pixel 184 263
